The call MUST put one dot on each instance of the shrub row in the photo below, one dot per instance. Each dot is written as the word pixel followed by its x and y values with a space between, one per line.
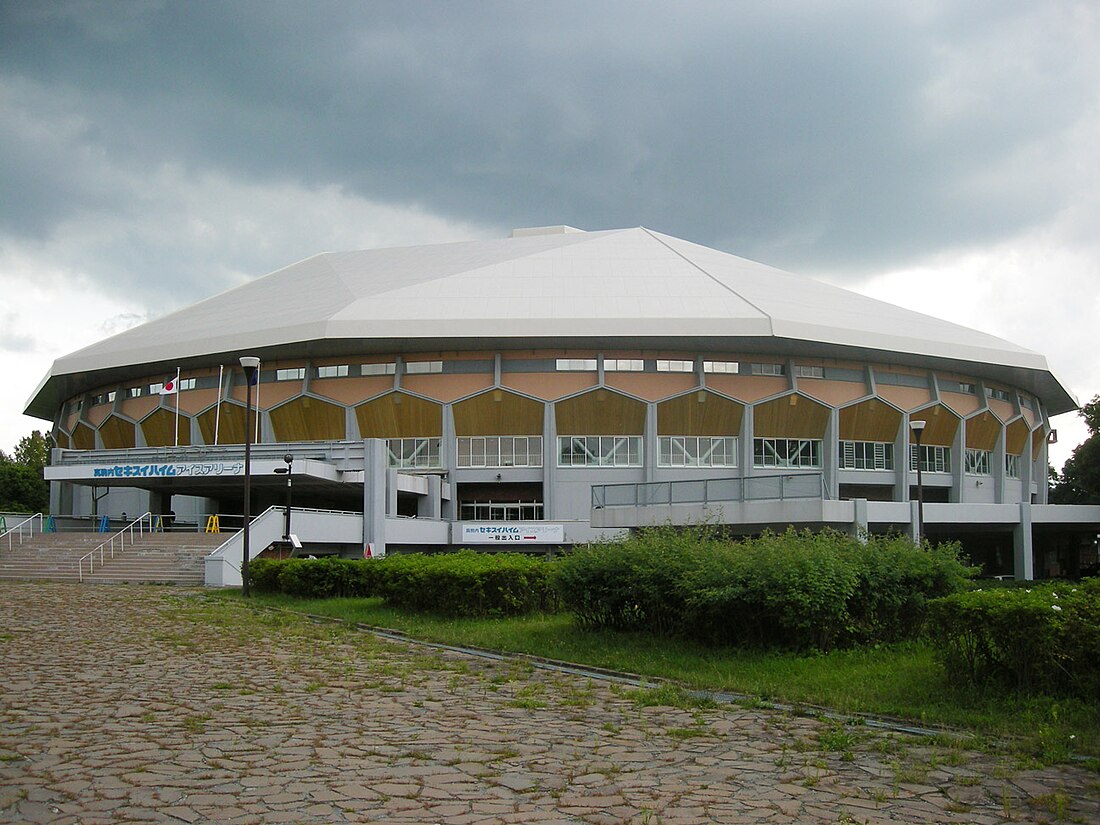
pixel 798 590
pixel 452 584
pixel 1040 639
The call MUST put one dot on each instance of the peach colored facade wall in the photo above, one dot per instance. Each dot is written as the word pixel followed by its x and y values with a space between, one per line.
pixel 747 387
pixel 834 393
pixel 907 398
pixel 650 386
pixel 270 395
pixel 960 402
pixel 351 390
pixel 1002 409
pixel 446 387
pixel 97 414
pixel 138 408
pixel 549 385
pixel 193 401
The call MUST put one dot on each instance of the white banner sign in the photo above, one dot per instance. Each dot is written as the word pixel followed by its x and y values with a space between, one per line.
pixel 516 532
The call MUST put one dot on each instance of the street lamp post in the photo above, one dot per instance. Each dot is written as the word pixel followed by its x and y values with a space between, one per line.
pixel 289 459
pixel 917 426
pixel 251 366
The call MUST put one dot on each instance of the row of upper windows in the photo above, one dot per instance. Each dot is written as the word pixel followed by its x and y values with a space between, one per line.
pixel 562 365
pixel 674 365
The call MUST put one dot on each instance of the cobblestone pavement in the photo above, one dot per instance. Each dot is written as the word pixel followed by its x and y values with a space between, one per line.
pixel 129 704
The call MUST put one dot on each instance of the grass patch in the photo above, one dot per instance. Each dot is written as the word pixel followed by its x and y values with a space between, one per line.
pixel 900 680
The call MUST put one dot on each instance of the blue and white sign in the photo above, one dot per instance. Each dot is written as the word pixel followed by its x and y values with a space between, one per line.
pixel 205 468
pixel 512 532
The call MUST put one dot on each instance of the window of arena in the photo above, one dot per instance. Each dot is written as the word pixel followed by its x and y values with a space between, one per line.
pixel 500 451
pixel 423 367
pixel 333 371
pixel 575 364
pixel 378 369
pixel 866 455
pixel 292 374
pixel 934 459
pixel 1012 465
pixel 600 451
pixel 665 365
pixel 623 365
pixel 696 451
pixel 726 367
pixel 786 452
pixel 767 369
pixel 978 462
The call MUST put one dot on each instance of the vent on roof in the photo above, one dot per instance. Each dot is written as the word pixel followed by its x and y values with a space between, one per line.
pixel 544 230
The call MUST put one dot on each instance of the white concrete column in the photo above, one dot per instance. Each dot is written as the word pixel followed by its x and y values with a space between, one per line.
pixel 374 494
pixel 1022 549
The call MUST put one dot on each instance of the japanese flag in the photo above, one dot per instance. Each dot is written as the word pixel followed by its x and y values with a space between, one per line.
pixel 169 387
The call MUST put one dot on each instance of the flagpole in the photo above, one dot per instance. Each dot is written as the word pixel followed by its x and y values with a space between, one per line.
pixel 218 411
pixel 177 406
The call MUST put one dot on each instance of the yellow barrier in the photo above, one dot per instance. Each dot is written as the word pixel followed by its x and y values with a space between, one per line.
pixel 212 525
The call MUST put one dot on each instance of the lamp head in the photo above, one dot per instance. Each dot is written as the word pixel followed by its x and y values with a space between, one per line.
pixel 288 458
pixel 917 425
pixel 250 362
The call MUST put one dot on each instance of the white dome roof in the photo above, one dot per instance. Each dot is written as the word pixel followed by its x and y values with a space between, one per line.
pixel 630 288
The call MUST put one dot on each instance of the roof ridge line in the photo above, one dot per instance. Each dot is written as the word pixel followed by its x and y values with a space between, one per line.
pixel 725 286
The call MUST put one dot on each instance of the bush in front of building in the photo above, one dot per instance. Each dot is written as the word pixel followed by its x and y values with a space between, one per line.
pixel 1039 639
pixel 796 590
pixel 329 577
pixel 467 583
pixel 451 584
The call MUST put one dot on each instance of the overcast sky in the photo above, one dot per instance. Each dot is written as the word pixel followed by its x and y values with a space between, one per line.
pixel 938 155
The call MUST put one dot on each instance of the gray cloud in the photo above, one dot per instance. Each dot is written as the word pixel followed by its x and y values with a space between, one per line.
pixel 815 136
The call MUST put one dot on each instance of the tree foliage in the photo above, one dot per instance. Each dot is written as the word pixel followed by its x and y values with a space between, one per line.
pixel 22 487
pixel 1079 481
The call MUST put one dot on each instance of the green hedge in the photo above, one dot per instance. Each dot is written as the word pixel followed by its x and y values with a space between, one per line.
pixel 1040 639
pixel 799 590
pixel 452 584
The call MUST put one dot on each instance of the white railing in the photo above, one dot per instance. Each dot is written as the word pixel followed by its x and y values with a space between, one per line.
pixel 26 525
pixel 712 490
pixel 106 549
pixel 223 566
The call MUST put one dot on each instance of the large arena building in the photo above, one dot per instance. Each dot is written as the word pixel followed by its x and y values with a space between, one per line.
pixel 557 386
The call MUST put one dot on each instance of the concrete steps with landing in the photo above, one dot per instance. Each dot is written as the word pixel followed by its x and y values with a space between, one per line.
pixel 175 558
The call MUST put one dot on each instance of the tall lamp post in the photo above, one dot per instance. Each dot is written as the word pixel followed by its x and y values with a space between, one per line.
pixel 917 426
pixel 289 459
pixel 251 366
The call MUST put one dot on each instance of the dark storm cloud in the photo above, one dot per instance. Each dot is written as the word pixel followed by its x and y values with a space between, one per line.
pixel 820 135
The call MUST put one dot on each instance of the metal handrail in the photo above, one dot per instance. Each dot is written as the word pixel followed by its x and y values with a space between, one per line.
pixel 684 491
pixel 110 543
pixel 18 528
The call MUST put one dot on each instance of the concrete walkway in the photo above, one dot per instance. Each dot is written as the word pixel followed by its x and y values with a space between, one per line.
pixel 145 704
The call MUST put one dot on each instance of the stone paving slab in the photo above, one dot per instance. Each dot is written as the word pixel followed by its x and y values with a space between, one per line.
pixel 140 704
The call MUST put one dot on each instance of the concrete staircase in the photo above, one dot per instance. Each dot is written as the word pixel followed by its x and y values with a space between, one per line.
pixel 155 558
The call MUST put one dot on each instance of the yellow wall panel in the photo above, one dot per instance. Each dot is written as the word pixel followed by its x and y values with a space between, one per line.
pixel 792 416
pixel 600 412
pixel 83 437
pixel 699 413
pixel 1016 437
pixel 982 431
pixel 398 415
pixel 157 429
pixel 940 425
pixel 870 420
pixel 498 412
pixel 117 433
pixel 309 419
pixel 231 427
